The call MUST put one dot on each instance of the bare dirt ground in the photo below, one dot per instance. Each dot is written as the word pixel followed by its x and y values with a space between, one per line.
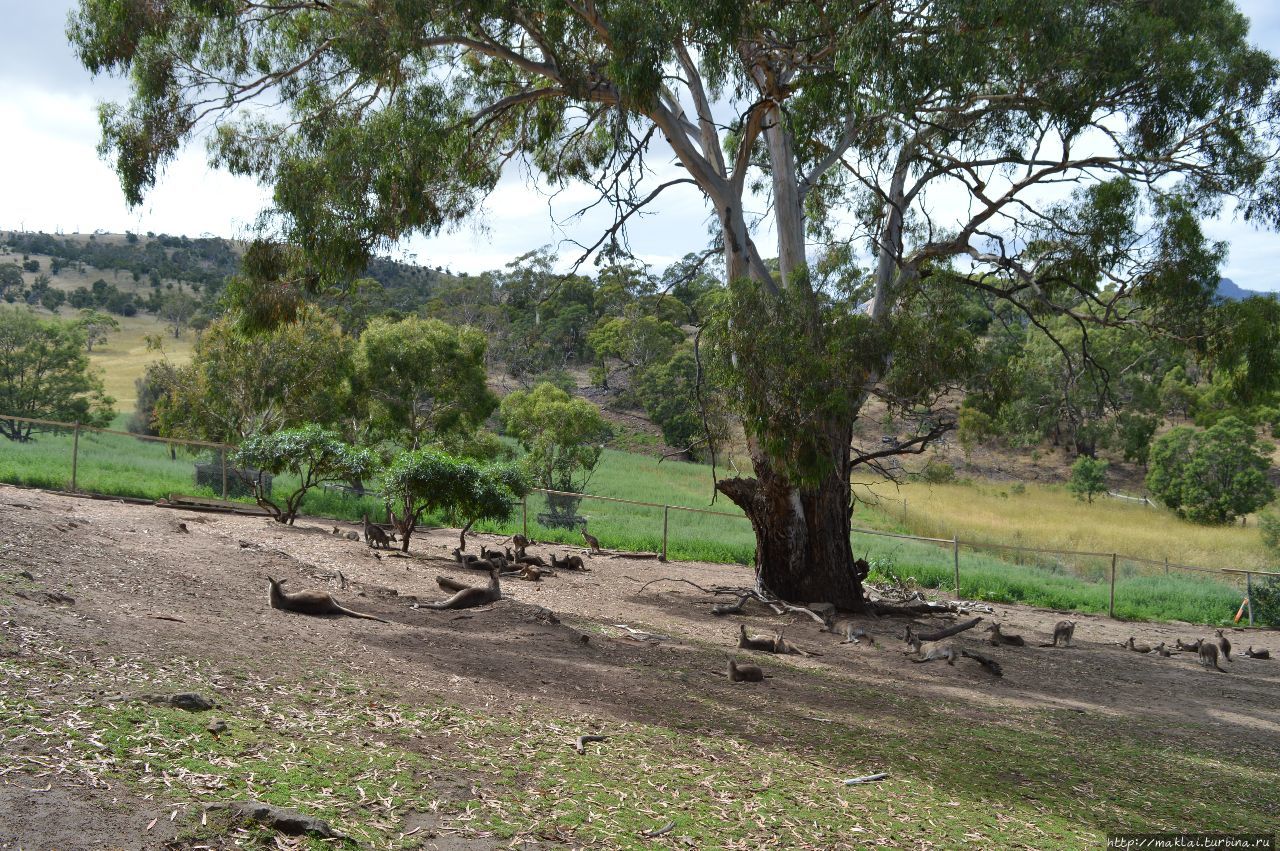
pixel 97 582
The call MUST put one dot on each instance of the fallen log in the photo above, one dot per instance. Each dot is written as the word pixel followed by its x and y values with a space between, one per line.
pixel 985 661
pixel 949 631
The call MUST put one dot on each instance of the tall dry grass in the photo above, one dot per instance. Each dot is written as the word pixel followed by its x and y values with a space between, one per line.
pixel 1048 516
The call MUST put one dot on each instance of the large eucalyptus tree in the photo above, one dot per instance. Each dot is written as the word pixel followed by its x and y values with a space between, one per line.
pixel 925 136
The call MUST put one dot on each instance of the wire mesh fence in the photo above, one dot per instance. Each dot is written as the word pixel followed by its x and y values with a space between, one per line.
pixel 64 456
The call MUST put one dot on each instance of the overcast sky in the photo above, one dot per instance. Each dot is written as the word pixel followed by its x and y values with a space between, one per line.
pixel 52 179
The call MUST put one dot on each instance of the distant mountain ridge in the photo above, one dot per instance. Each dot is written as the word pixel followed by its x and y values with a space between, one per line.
pixel 1229 290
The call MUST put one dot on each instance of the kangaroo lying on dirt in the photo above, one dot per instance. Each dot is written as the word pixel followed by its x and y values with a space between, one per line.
pixel 310 602
pixel 468 597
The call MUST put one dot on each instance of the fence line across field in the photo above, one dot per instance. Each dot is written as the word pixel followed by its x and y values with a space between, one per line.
pixel 954 542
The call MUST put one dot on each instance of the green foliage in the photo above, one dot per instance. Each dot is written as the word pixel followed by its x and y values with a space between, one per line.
pixel 1052 393
pixel 669 394
pixel 1269 525
pixel 1088 477
pixel 938 473
pixel 1266 600
pixel 157 381
pixel 562 436
pixel 1135 432
pixel 97 326
pixel 423 380
pixel 973 426
pixel 787 387
pixel 1210 476
pixel 313 454
pixel 429 480
pixel 636 341
pixel 176 310
pixel 1245 347
pixel 45 374
pixel 238 384
pixel 849 118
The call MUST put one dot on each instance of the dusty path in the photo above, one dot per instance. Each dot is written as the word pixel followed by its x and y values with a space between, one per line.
pixel 144 589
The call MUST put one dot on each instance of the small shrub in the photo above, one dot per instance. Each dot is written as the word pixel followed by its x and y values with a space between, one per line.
pixel 313 454
pixel 938 473
pixel 1088 477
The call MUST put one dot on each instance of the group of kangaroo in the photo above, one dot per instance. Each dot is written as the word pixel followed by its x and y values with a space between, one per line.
pixel 498 563
pixel 522 565
pixel 1209 651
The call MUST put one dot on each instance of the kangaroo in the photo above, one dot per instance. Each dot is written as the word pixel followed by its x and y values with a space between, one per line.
pixel 520 542
pixel 1138 648
pixel 1209 655
pixel 592 541
pixel 1161 650
pixel 745 673
pixel 472 562
pixel 758 642
pixel 485 552
pixel 525 571
pixel 849 631
pixel 1224 644
pixel 536 561
pixel 1188 647
pixel 1062 631
pixel 934 652
pixel 451 585
pixel 374 536
pixel 469 598
pixel 310 602
pixel 568 563
pixel 998 638
pixel 1257 654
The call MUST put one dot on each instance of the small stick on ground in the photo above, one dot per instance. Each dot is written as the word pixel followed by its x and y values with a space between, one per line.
pixel 870 778
pixel 662 831
pixel 581 744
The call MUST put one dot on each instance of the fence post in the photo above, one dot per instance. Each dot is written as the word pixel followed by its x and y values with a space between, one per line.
pixel 1166 565
pixel 1248 590
pixel 955 553
pixel 1111 605
pixel 524 514
pixel 666 513
pixel 222 455
pixel 75 457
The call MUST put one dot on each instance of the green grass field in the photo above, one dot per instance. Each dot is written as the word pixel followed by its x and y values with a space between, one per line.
pixel 120 465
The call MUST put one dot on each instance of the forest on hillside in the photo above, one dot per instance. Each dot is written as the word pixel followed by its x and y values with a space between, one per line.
pixel 627 337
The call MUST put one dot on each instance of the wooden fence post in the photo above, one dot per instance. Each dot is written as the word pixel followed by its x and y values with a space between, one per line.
pixel 1166 565
pixel 955 553
pixel 524 514
pixel 666 513
pixel 75 457
pixel 1111 605
pixel 1248 590
pixel 222 455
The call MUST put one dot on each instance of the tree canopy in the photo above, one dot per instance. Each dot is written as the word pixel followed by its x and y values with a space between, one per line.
pixel 313 455
pixel 562 436
pixel 422 379
pixel 45 374
pixel 238 384
pixel 425 480
pixel 1210 476
pixel 846 122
